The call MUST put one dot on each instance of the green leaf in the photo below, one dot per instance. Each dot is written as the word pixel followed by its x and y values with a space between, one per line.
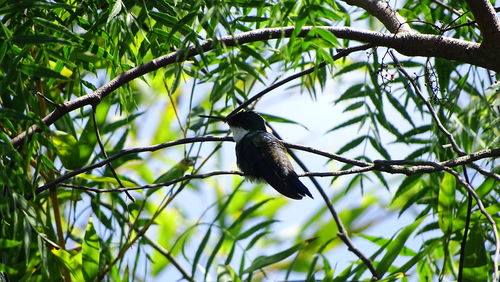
pixel 91 251
pixel 106 179
pixel 476 266
pixel 171 22
pixel 251 19
pixel 272 118
pixel 88 139
pixel 38 39
pixel 247 213
pixel 325 35
pixel 354 91
pixel 213 254
pixel 200 249
pixel 354 143
pixel 71 262
pixel 354 106
pixel 255 228
pixel 383 241
pixel 351 67
pixel 8 270
pixel 7 243
pixel 446 200
pixel 39 71
pixel 354 120
pixel 263 261
pixel 117 7
pixel 400 108
pixel 396 247
pixel 66 149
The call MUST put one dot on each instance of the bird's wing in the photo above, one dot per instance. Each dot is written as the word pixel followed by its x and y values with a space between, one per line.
pixel 265 157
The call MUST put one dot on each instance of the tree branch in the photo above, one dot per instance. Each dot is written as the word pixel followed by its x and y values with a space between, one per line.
pixel 435 117
pixel 487 20
pixel 105 154
pixel 459 151
pixel 385 166
pixel 155 185
pixel 394 22
pixel 128 152
pixel 342 53
pixel 410 44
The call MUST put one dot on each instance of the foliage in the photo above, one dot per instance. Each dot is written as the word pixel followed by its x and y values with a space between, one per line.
pixel 55 52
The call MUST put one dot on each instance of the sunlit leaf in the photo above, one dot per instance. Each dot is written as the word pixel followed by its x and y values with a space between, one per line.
pixel 90 253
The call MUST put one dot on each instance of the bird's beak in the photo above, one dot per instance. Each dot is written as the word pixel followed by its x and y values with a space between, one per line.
pixel 213 117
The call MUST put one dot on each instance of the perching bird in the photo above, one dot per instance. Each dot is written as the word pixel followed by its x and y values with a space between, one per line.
pixel 262 156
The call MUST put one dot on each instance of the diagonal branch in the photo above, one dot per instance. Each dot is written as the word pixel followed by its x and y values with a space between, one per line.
pixel 386 166
pixel 488 22
pixel 105 154
pixel 411 44
pixel 458 150
pixel 342 53
pixel 391 19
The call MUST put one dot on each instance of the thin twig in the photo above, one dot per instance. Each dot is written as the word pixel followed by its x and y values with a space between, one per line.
pixel 386 166
pixel 103 150
pixel 463 244
pixel 486 214
pixel 342 53
pixel 459 151
pixel 128 152
pixel 170 257
pixel 39 94
pixel 342 232
pixel 436 119
pixel 412 44
pixel 150 186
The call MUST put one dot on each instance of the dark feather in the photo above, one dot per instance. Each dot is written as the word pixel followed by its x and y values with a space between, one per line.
pixel 260 155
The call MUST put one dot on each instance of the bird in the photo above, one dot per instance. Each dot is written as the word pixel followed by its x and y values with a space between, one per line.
pixel 262 156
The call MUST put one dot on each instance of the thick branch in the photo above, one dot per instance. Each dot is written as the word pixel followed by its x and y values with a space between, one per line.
pixel 394 22
pixel 488 22
pixel 386 166
pixel 410 44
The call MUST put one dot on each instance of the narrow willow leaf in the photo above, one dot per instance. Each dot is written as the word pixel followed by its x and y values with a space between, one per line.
pixel 213 254
pixel 380 241
pixel 256 55
pixel 117 7
pixel 396 246
pixel 325 35
pixel 272 118
pixel 355 120
pixel 73 265
pixel 354 143
pixel 400 108
pixel 38 39
pixel 169 21
pixel 67 149
pixel 199 251
pixel 255 239
pixel 377 146
pixel 446 201
pixel 247 213
pixel 264 261
pixel 476 263
pixel 354 91
pixel 39 71
pixel 8 270
pixel 255 228
pixel 91 251
pixel 7 243
pixel 354 106
pixel 351 67
pixel 251 19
